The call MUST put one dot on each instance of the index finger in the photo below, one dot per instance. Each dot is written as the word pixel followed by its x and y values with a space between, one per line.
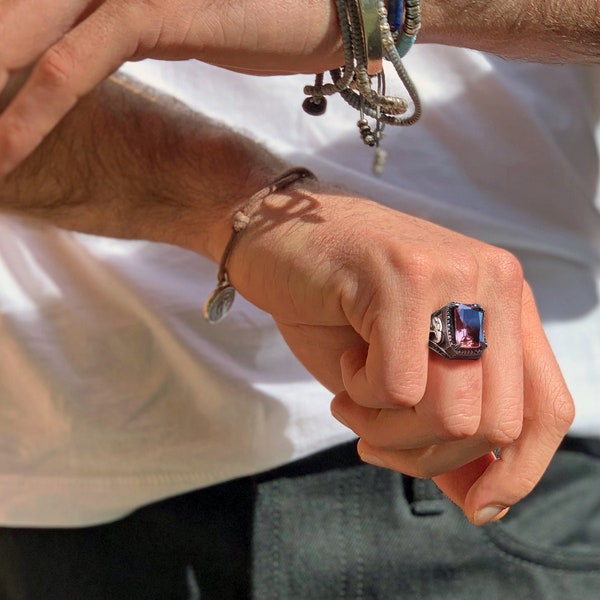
pixel 69 69
pixel 29 27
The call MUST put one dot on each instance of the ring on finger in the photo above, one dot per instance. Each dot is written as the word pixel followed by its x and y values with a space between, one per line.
pixel 456 331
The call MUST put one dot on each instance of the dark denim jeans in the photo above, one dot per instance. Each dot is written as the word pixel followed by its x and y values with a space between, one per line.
pixel 325 528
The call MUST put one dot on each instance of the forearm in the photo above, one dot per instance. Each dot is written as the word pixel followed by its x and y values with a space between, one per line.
pixel 128 162
pixel 544 30
pixel 540 30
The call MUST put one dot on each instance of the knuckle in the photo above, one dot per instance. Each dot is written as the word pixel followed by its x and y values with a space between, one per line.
pixel 564 412
pixel 407 397
pixel 460 417
pixel 505 434
pixel 399 390
pixel 528 299
pixel 558 412
pixel 505 268
pixel 17 134
pixel 459 425
pixel 418 267
pixel 521 486
pixel 465 267
pixel 55 67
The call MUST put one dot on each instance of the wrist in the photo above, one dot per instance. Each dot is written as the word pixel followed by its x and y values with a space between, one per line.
pixel 218 304
pixel 213 206
pixel 267 252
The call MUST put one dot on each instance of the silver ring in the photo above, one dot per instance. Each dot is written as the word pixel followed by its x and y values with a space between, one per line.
pixel 456 331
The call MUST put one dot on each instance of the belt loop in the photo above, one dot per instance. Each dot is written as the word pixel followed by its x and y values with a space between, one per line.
pixel 425 498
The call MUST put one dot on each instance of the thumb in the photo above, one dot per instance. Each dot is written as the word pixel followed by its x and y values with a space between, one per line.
pixel 457 483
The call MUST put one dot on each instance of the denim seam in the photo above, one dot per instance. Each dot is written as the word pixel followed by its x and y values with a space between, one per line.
pixel 276 545
pixel 358 488
pixel 544 562
pixel 341 541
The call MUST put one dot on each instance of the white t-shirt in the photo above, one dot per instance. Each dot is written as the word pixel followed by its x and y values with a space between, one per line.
pixel 113 390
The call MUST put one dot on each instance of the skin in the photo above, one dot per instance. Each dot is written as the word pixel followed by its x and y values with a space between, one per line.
pixel 350 283
pixel 72 45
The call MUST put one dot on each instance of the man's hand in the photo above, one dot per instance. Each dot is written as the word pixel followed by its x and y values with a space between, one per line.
pixel 75 44
pixel 350 283
pixel 352 286
pixel 72 45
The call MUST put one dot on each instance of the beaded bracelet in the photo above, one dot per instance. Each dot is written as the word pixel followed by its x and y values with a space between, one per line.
pixel 368 32
pixel 411 25
pixel 219 303
pixel 395 11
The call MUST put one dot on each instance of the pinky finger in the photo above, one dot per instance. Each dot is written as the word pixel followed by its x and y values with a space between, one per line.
pixel 548 416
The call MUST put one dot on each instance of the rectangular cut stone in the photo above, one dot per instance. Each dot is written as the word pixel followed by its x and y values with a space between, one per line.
pixel 468 326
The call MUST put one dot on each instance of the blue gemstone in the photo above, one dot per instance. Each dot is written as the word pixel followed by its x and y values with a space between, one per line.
pixel 468 326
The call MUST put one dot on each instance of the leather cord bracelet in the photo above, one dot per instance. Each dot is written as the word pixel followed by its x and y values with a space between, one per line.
pixel 220 301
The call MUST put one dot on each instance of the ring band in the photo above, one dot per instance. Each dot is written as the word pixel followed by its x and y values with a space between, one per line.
pixel 456 331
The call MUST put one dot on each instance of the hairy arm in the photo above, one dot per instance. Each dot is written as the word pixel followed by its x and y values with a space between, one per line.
pixel 131 163
pixel 540 30
pixel 75 44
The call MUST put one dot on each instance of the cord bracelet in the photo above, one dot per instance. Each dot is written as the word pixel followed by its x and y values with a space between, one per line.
pixel 219 303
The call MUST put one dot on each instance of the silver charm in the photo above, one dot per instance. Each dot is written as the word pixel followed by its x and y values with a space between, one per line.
pixel 219 303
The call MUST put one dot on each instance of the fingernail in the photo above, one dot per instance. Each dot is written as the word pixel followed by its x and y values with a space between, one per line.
pixel 489 514
pixel 372 460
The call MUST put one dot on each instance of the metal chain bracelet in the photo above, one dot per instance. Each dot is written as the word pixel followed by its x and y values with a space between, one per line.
pixel 369 34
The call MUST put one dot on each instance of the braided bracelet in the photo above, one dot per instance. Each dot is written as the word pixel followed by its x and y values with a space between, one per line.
pixel 220 301
pixel 368 33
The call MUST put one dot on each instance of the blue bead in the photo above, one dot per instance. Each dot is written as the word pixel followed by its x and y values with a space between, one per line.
pixel 395 14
